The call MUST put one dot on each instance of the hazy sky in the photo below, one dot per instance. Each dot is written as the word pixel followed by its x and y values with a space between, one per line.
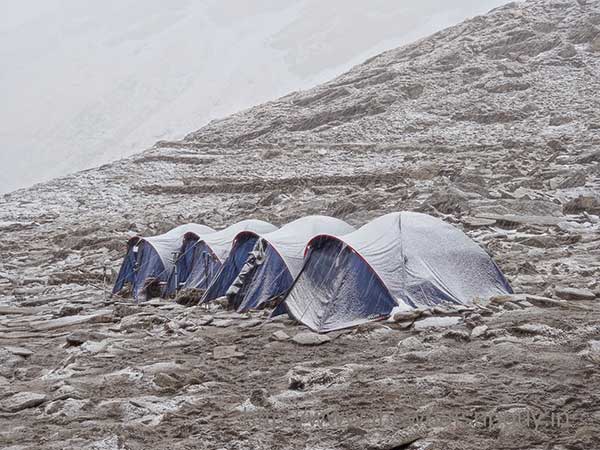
pixel 84 82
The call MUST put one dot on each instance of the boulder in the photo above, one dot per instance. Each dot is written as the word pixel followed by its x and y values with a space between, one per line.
pixel 140 321
pixel 479 331
pixel 568 293
pixel 436 322
pixel 21 401
pixel 19 351
pixel 309 338
pixel 280 336
pixel 300 378
pixel 411 343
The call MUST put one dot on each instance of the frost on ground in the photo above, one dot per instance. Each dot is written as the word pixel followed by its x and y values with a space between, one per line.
pixel 492 125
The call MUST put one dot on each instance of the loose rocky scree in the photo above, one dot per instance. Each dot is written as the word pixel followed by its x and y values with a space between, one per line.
pixel 492 125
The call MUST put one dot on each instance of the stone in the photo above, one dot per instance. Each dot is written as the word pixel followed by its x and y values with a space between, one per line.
pixel 537 329
pixel 250 324
pixel 507 298
pixel 140 321
pixel 94 347
pixel 21 401
pixel 166 380
pixel 260 398
pixel 403 316
pixel 436 322
pixel 69 310
pixel 404 325
pixel 411 343
pixel 479 331
pixel 19 351
pixel 66 408
pixel 545 302
pixel 457 335
pixel 475 222
pixel 226 351
pixel 513 219
pixel 310 338
pixel 222 323
pixel 103 316
pixel 511 306
pixel 301 378
pixel 280 336
pixel 77 338
pixel 568 293
pixel 583 203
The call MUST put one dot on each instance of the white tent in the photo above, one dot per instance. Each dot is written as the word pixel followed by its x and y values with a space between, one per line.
pixel 153 257
pixel 277 259
pixel 167 245
pixel 401 260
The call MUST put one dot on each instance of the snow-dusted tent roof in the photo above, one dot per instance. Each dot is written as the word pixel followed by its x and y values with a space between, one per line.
pixel 280 256
pixel 220 242
pixel 168 244
pixel 291 239
pixel 404 260
pixel 200 257
pixel 153 257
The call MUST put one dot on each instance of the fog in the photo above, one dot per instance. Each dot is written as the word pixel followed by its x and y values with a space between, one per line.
pixel 85 82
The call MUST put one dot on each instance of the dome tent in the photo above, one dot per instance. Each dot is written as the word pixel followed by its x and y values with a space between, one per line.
pixel 405 260
pixel 230 269
pixel 276 260
pixel 201 256
pixel 153 257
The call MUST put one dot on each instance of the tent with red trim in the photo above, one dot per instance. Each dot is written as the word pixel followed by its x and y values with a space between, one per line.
pixel 401 260
pixel 277 259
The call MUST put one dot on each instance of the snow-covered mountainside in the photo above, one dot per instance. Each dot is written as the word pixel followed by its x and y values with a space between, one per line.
pixel 492 125
pixel 85 83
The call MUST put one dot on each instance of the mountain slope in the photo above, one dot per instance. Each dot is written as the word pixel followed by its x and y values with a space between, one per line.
pixel 86 84
pixel 492 125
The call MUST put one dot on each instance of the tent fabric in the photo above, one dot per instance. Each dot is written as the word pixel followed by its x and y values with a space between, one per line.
pixel 401 260
pixel 221 241
pixel 204 267
pixel 127 270
pixel 230 269
pixel 263 277
pixel 153 257
pixel 202 256
pixel 184 263
pixel 280 261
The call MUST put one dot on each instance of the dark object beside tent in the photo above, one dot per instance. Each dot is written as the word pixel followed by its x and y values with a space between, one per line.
pixel 401 260
pixel 150 260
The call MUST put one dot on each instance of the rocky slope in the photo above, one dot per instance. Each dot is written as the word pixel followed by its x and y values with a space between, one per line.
pixel 493 124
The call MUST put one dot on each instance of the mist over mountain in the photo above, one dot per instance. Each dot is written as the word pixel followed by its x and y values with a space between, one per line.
pixel 84 83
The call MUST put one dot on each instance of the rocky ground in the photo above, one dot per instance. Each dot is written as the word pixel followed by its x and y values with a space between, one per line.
pixel 492 125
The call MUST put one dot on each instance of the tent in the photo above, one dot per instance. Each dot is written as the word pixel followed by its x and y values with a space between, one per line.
pixel 401 260
pixel 153 257
pixel 276 260
pixel 202 256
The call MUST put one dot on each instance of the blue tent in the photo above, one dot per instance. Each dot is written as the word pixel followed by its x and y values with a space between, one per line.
pixel 277 259
pixel 201 257
pixel 150 260
pixel 241 248
pixel 399 261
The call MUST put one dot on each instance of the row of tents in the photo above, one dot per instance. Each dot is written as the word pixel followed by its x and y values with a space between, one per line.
pixel 320 270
